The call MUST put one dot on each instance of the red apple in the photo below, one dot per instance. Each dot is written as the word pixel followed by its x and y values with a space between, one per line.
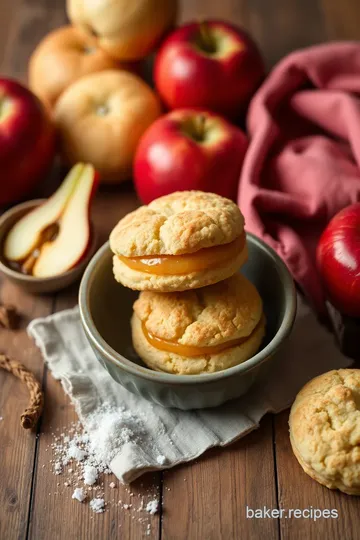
pixel 189 149
pixel 338 258
pixel 27 141
pixel 213 64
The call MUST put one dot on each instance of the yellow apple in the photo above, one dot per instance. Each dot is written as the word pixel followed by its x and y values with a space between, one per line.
pixel 63 56
pixel 100 119
pixel 126 29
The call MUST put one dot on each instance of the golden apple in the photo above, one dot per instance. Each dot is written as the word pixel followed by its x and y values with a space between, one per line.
pixel 126 29
pixel 63 56
pixel 100 119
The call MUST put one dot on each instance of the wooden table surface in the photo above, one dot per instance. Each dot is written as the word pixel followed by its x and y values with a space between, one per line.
pixel 205 499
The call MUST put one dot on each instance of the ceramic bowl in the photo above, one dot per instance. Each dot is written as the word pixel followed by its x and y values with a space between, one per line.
pixel 29 283
pixel 106 309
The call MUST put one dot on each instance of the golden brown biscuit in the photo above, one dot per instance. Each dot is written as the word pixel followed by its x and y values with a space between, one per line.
pixel 325 429
pixel 199 331
pixel 181 241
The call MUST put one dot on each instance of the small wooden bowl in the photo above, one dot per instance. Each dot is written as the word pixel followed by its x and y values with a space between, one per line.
pixel 30 283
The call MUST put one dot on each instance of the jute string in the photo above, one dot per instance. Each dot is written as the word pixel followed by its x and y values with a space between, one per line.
pixel 32 413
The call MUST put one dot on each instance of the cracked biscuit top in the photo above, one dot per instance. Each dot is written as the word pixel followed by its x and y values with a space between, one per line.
pixel 325 426
pixel 183 222
pixel 203 317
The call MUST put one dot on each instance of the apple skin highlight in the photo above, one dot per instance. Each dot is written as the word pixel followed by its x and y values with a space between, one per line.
pixel 27 141
pixel 338 259
pixel 221 76
pixel 189 149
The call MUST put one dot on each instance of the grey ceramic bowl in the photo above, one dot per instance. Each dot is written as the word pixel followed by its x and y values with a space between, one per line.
pixel 106 309
pixel 30 283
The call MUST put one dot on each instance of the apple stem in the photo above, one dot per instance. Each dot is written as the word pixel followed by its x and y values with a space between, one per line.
pixel 91 31
pixel 206 40
pixel 89 50
pixel 200 127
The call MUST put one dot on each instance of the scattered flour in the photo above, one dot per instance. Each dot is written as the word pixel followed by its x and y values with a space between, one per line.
pixel 79 494
pixel 84 460
pixel 1 418
pixel 58 468
pixel 152 506
pixel 111 428
pixel 90 475
pixel 75 452
pixel 161 460
pixel 97 505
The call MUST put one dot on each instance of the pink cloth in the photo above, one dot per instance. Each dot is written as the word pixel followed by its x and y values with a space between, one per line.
pixel 303 162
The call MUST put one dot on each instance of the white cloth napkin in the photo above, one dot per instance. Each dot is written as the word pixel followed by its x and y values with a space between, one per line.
pixel 180 436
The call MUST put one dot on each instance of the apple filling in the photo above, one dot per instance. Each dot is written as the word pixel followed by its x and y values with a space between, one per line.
pixel 203 259
pixel 189 351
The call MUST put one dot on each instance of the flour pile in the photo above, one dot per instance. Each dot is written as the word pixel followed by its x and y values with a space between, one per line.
pixel 110 428
pixel 84 460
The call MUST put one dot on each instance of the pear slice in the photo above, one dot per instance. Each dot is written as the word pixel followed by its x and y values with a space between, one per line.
pixel 74 234
pixel 26 234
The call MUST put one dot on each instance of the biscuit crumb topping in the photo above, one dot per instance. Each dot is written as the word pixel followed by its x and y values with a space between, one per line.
pixel 183 222
pixel 325 427
pixel 203 317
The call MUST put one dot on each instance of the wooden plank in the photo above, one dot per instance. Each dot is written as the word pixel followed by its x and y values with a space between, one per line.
pixel 69 519
pixel 207 499
pixel 7 13
pixel 49 498
pixel 213 9
pixel 281 26
pixel 298 491
pixel 32 21
pixel 16 464
pixel 342 18
pixel 17 446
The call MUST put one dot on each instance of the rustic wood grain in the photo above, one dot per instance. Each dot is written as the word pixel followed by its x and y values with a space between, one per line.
pixel 206 9
pixel 336 20
pixel 207 499
pixel 7 13
pixel 31 20
pixel 17 446
pixel 282 26
pixel 298 490
pixel 342 19
pixel 54 499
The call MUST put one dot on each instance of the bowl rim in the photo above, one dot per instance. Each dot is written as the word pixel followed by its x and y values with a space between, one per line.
pixel 18 276
pixel 98 342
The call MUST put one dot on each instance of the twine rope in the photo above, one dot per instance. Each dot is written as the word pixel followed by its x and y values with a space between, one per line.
pixel 32 413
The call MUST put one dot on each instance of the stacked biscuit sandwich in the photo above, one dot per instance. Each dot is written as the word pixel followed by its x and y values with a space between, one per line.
pixel 196 313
